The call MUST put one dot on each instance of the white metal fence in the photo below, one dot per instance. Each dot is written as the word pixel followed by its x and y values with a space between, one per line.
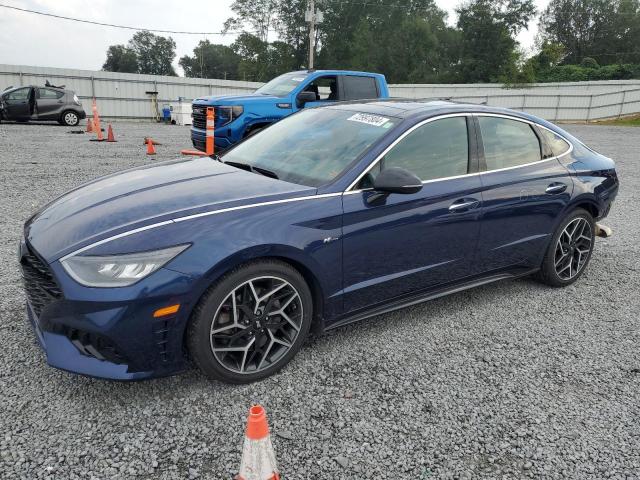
pixel 123 95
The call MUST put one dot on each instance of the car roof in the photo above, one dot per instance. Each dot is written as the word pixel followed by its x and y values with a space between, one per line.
pixel 423 108
pixel 17 87
pixel 336 72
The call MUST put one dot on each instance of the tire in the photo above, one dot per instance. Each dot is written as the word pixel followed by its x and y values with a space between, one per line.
pixel 70 118
pixel 568 254
pixel 250 345
pixel 253 131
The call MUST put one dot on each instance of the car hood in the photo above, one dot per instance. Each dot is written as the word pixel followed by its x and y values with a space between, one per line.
pixel 226 100
pixel 143 196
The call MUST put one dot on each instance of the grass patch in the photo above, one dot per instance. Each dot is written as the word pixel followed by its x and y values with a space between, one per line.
pixel 623 122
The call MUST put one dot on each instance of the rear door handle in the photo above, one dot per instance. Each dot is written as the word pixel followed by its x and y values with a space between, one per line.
pixel 555 188
pixel 464 205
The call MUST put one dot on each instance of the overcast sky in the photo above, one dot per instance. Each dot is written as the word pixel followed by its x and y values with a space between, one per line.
pixel 27 39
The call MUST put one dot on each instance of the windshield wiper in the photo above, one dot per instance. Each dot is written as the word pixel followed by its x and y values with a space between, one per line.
pixel 265 172
pixel 252 169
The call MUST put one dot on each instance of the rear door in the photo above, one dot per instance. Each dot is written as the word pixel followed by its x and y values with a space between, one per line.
pixel 49 103
pixel 524 190
pixel 17 104
pixel 401 244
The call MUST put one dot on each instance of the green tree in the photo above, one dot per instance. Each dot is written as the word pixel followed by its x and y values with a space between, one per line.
pixel 155 53
pixel 588 28
pixel 120 59
pixel 488 49
pixel 211 61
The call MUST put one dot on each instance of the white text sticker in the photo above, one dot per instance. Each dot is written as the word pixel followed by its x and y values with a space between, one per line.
pixel 375 120
pixel 297 79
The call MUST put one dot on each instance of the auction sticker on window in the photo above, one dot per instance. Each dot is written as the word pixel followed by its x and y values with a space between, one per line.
pixel 375 120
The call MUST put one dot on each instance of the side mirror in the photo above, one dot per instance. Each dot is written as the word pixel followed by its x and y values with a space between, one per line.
pixel 304 97
pixel 397 180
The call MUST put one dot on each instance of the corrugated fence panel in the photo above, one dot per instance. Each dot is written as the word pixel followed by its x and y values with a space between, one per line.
pixel 123 95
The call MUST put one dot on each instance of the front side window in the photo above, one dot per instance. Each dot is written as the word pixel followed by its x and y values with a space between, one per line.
pixel 20 94
pixel 508 143
pixel 438 149
pixel 325 88
pixel 312 147
pixel 557 144
pixel 47 93
pixel 283 85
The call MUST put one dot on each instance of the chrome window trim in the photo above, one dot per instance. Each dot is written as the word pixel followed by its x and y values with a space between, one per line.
pixel 349 190
pixel 191 217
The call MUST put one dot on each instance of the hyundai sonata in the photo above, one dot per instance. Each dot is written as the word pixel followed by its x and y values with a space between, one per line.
pixel 332 215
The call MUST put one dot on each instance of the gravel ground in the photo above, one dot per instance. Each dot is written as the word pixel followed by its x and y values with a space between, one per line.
pixel 508 380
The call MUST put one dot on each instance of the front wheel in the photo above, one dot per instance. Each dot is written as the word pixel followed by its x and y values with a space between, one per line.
pixel 570 250
pixel 251 322
pixel 70 119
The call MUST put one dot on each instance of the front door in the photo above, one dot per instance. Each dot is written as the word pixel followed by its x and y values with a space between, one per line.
pixel 403 244
pixel 524 190
pixel 18 104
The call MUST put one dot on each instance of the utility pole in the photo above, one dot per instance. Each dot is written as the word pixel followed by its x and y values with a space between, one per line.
pixel 313 17
pixel 311 13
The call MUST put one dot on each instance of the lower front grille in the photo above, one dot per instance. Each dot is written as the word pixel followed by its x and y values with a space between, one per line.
pixel 91 344
pixel 39 284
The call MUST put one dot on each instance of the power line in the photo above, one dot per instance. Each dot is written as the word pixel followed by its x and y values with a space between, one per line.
pixel 125 27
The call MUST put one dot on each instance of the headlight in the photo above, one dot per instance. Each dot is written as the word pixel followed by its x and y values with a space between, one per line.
pixel 118 270
pixel 76 99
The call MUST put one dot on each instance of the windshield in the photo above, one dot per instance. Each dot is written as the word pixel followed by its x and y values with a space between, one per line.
pixel 282 85
pixel 312 147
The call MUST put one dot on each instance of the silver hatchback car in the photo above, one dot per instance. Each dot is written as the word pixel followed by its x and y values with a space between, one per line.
pixel 48 103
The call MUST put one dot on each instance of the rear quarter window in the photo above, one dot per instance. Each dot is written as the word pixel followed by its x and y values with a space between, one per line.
pixel 358 88
pixel 558 145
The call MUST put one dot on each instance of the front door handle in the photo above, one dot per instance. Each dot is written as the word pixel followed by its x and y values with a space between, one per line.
pixel 464 205
pixel 555 188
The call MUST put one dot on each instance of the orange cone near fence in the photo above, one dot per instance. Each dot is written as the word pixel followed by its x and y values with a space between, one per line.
pixel 151 150
pixel 96 122
pixel 110 136
pixel 258 458
pixel 89 126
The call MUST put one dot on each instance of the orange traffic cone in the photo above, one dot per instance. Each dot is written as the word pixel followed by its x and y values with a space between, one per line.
pixel 110 136
pixel 96 123
pixel 89 126
pixel 151 150
pixel 258 458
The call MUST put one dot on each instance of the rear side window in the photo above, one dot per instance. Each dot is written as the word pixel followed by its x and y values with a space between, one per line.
pixel 557 144
pixel 50 94
pixel 357 88
pixel 438 149
pixel 508 143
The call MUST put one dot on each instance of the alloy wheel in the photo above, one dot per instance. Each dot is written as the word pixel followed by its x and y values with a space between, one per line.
pixel 256 324
pixel 70 118
pixel 572 248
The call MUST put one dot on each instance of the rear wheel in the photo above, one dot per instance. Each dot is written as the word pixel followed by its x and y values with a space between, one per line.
pixel 570 250
pixel 70 118
pixel 251 322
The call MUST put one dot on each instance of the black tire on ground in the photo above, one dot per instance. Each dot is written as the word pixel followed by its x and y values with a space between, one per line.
pixel 70 118
pixel 548 274
pixel 199 329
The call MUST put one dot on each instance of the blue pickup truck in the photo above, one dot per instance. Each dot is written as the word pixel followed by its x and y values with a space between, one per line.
pixel 239 116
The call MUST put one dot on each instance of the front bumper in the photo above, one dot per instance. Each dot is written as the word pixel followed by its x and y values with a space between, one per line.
pixel 109 333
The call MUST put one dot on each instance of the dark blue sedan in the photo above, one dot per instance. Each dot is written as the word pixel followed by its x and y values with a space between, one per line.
pixel 332 215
